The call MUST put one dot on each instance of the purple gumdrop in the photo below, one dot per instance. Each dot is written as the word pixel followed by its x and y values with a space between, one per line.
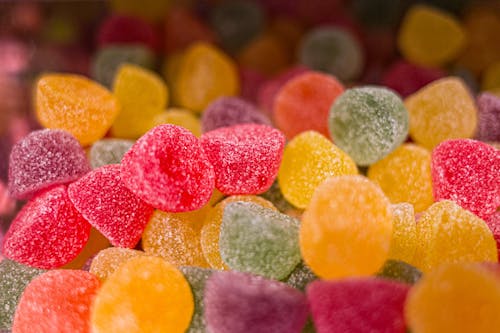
pixel 488 128
pixel 229 111
pixel 239 303
pixel 42 159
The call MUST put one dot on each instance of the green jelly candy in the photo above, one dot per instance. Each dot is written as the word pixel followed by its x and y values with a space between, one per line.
pixel 400 271
pixel 108 151
pixel 197 277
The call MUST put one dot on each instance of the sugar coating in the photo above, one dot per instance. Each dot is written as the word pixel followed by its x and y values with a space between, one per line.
pixel 493 222
pixel 14 277
pixel 229 111
pixel 146 294
pixel 240 302
pixel 368 123
pixel 75 104
pixel 358 305
pixel 42 159
pixel 404 233
pixel 96 243
pixel 300 277
pixel 467 172
pixel 48 232
pixel 57 301
pixel 107 261
pixel 347 228
pixel 179 117
pixel 109 206
pixel 488 108
pixel 400 271
pixel 308 160
pixel 246 157
pixel 275 196
pixel 108 151
pixel 168 169
pixel 259 240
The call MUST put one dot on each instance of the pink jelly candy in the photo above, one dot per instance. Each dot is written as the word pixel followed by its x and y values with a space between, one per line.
pixel 488 128
pixel 467 172
pixel 104 201
pixel 357 305
pixel 48 232
pixel 168 169
pixel 493 222
pixel 42 159
pixel 246 158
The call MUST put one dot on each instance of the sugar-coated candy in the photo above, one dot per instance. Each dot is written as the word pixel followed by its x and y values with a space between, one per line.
pixel 197 278
pixel 48 232
pixel 259 240
pixel 300 277
pixel 107 261
pixel 368 123
pixel 405 176
pixel 358 305
pixel 467 172
pixel 404 233
pixel 75 104
pixel 96 243
pixel 245 158
pixel 488 127
pixel 109 206
pixel 240 302
pixel 346 230
pixel 304 102
pixel 14 278
pixel 443 109
pixel 275 196
pixel 56 301
pixel 493 222
pixel 399 271
pixel 308 160
pixel 108 151
pixel 457 298
pixel 42 159
pixel 179 117
pixel 168 169
pixel 145 294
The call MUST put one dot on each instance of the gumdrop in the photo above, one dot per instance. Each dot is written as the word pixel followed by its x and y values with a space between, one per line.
pixel 267 54
pixel 179 117
pixel 107 261
pixel 96 243
pixel 488 127
pixel 404 233
pixel 300 277
pixel 400 271
pixel 197 278
pixel 150 10
pixel 108 151
pixel 275 196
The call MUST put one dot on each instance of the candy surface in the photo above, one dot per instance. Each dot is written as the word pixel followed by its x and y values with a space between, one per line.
pixel 488 128
pixel 300 277
pixel 400 271
pixel 107 261
pixel 108 151
pixel 179 117
pixel 197 278
pixel 404 233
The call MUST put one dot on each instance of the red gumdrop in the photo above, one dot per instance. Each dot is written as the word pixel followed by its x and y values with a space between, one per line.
pixel 488 127
pixel 57 301
pixel 43 159
pixel 493 222
pixel 358 305
pixel 104 201
pixel 246 158
pixel 48 232
pixel 168 169
pixel 467 172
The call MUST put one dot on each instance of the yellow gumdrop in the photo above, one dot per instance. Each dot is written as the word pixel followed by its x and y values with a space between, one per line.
pixel 96 243
pixel 430 37
pixel 142 95
pixel 151 10
pixel 447 233
pixel 491 77
pixel 404 233
pixel 346 230
pixel 107 261
pixel 75 104
pixel 405 176
pixel 146 294
pixel 442 110
pixel 179 117
pixel 309 159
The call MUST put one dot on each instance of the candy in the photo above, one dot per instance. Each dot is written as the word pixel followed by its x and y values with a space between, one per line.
pixel 251 80
pixel 400 271
pixel 107 261
pixel 488 127
pixel 75 104
pixel 300 277
pixel 346 229
pixel 179 117
pixel 151 10
pixel 110 207
pixel 404 233
pixel 266 54
pixel 108 151
pixel 168 169
pixel 368 123
pixel 43 159
pixel 493 222
pixel 491 77
pixel 144 295
pixel 237 302
pixel 275 196
pixel 246 157
pixel 96 243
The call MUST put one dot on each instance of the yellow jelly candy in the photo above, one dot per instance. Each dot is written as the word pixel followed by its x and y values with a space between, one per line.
pixel 107 261
pixel 179 117
pixel 75 104
pixel 146 294
pixel 405 176
pixel 96 243
pixel 309 159
pixel 430 37
pixel 346 230
pixel 404 233
pixel 142 95
pixel 442 110
pixel 491 77
pixel 447 233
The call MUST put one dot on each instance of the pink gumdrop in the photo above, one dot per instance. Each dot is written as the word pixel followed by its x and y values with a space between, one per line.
pixel 467 172
pixel 493 222
pixel 488 127
pixel 168 169
pixel 42 159
pixel 357 305
pixel 48 232
pixel 104 201
pixel 246 158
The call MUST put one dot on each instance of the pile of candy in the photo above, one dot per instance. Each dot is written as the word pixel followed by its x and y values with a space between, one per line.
pixel 238 193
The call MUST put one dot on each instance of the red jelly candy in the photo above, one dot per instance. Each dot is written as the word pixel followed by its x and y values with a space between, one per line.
pixel 110 207
pixel 168 169
pixel 246 158
pixel 358 305
pixel 48 232
pixel 467 172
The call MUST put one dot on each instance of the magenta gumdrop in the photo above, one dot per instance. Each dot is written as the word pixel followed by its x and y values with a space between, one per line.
pixel 488 127
pixel 110 207
pixel 43 159
pixel 246 158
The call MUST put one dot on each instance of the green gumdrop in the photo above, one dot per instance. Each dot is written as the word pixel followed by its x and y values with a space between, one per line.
pixel 197 277
pixel 300 277
pixel 275 196
pixel 108 151
pixel 400 271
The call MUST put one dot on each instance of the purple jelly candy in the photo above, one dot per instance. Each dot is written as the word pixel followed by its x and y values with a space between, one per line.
pixel 488 128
